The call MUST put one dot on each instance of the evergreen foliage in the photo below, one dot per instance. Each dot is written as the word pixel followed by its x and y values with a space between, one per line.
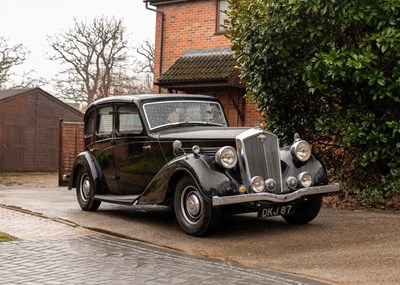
pixel 329 70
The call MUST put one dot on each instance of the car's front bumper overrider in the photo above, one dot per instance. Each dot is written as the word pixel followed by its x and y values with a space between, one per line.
pixel 271 197
pixel 66 177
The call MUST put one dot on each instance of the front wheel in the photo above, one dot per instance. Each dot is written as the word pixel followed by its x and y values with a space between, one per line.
pixel 306 211
pixel 195 215
pixel 85 191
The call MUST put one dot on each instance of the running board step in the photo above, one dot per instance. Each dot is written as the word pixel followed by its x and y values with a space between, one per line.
pixel 117 199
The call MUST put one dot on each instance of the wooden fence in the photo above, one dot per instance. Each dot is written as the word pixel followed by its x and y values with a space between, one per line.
pixel 71 144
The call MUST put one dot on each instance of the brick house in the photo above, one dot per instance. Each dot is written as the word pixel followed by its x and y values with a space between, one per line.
pixel 192 55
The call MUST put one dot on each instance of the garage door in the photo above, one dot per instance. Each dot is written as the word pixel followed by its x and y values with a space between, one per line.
pixel 13 147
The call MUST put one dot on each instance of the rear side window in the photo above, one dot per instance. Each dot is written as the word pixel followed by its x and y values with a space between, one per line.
pixel 89 125
pixel 129 120
pixel 105 121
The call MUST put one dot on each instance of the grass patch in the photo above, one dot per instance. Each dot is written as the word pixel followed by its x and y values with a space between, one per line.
pixel 7 180
pixel 5 237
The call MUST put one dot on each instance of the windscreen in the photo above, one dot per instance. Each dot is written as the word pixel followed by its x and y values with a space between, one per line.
pixel 165 113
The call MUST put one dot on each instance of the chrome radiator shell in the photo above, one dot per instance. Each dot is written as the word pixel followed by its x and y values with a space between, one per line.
pixel 259 155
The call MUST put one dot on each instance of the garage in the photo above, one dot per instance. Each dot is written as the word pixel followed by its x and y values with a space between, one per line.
pixel 30 129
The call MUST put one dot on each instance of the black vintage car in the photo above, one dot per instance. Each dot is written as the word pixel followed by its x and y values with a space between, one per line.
pixel 178 150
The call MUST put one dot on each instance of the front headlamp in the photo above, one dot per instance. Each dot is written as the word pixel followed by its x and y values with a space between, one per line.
pixel 305 179
pixel 257 184
pixel 226 157
pixel 301 150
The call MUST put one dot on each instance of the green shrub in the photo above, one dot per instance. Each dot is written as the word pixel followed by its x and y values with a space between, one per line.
pixel 329 70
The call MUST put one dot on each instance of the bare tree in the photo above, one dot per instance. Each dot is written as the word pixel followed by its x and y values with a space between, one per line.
pixel 92 54
pixel 144 67
pixel 146 50
pixel 135 77
pixel 10 56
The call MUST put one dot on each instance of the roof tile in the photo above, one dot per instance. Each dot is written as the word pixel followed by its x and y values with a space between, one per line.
pixel 6 93
pixel 203 65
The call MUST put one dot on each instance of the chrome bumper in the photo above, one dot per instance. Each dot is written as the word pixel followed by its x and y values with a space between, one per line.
pixel 270 197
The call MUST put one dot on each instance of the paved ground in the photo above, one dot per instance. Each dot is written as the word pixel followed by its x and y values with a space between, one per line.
pixel 359 247
pixel 58 252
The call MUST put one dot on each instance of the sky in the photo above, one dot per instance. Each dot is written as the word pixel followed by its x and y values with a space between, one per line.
pixel 29 22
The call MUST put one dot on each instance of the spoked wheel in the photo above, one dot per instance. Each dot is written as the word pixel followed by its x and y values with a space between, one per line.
pixel 85 191
pixel 306 211
pixel 195 215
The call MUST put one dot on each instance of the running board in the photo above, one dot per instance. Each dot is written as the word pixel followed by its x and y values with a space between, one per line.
pixel 117 199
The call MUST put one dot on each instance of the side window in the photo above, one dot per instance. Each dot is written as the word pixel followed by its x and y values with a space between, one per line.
pixel 89 124
pixel 105 122
pixel 222 6
pixel 129 120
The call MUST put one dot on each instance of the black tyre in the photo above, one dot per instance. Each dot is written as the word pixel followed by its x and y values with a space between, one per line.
pixel 306 211
pixel 195 215
pixel 85 191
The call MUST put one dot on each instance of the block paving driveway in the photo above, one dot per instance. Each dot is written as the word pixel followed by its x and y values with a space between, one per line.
pixel 51 251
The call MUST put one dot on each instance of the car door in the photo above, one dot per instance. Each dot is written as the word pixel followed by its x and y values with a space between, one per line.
pixel 136 163
pixel 102 147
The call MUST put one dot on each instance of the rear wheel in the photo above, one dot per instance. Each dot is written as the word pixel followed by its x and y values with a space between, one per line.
pixel 195 215
pixel 85 191
pixel 306 211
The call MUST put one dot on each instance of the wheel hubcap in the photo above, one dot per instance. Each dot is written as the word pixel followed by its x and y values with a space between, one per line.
pixel 193 204
pixel 85 187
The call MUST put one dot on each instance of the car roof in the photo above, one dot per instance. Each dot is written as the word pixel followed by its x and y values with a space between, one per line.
pixel 141 98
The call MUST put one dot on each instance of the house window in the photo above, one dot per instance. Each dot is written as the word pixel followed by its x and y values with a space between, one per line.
pixel 222 6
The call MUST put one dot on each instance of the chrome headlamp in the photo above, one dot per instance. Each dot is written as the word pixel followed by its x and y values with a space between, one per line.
pixel 301 150
pixel 257 184
pixel 226 157
pixel 305 179
pixel 270 185
pixel 291 182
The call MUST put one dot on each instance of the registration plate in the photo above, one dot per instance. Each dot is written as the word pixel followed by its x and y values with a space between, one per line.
pixel 276 211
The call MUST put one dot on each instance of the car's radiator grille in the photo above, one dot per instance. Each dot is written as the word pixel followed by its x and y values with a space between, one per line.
pixel 261 157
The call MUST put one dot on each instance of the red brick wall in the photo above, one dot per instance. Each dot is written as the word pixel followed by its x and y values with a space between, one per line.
pixel 253 117
pixel 71 143
pixel 191 25
pixel 187 26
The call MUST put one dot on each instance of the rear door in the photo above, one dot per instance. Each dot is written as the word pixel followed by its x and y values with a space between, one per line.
pixel 103 146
